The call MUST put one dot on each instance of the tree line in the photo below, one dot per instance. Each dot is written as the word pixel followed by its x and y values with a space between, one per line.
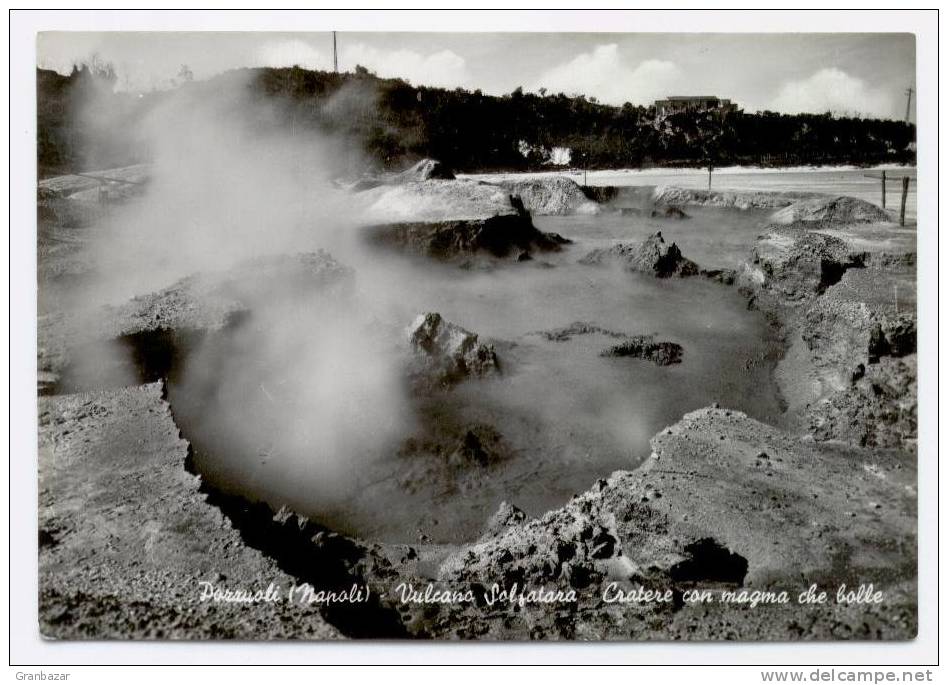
pixel 394 122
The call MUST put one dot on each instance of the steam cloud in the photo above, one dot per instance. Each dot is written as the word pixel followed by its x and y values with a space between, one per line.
pixel 303 391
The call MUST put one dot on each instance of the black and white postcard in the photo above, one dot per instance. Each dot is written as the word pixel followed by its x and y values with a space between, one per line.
pixel 491 336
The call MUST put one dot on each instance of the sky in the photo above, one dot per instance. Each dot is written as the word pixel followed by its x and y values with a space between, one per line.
pixel 846 73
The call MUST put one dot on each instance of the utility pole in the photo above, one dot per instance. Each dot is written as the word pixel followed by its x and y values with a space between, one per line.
pixel 335 57
pixel 905 187
pixel 908 104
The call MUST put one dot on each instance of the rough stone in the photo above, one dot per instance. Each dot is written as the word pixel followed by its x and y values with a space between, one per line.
pixel 446 354
pixel 653 256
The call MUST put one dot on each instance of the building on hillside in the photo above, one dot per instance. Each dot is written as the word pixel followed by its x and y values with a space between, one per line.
pixel 676 104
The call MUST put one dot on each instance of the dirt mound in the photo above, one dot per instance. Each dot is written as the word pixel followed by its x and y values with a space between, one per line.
pixel 653 256
pixel 839 210
pixel 557 195
pixel 444 353
pixel 673 195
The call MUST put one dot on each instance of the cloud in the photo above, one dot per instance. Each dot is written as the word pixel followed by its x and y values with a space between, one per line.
pixel 832 90
pixel 288 53
pixel 443 68
pixel 604 74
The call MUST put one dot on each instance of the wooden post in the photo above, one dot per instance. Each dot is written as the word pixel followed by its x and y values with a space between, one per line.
pixel 883 190
pixel 905 185
pixel 709 175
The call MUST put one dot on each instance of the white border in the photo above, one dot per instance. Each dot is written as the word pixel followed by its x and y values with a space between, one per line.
pixel 27 647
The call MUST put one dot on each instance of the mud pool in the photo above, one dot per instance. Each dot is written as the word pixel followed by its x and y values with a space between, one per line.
pixel 557 418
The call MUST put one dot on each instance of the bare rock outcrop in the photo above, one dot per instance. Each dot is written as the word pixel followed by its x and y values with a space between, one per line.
pixel 444 353
pixel 455 220
pixel 652 256
pixel 794 265
pixel 862 354
pixel 848 317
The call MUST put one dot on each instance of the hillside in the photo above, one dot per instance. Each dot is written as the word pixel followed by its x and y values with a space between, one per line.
pixel 83 122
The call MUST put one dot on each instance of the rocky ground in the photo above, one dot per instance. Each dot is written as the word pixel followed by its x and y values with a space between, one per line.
pixel 725 507
pixel 126 536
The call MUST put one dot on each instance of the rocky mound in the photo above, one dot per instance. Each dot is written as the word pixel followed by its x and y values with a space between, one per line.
pixel 196 304
pixel 659 352
pixel 653 256
pixel 448 240
pixel 839 210
pixel 208 300
pixel 444 353
pixel 792 265
pixel 719 506
pixel 436 201
pixel 849 321
pixel 863 359
pixel 451 219
pixel 557 195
